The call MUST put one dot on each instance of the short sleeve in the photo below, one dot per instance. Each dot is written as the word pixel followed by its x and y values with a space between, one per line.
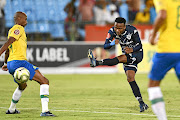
pixel 16 32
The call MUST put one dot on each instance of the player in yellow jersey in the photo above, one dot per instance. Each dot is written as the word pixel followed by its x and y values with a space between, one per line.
pixel 168 52
pixel 15 57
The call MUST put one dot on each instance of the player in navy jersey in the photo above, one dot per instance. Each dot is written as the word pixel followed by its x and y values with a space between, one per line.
pixel 127 36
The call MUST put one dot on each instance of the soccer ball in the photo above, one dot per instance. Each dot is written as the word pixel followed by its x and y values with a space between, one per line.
pixel 21 75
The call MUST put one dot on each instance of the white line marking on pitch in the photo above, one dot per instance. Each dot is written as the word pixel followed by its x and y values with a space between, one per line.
pixel 21 108
pixel 99 108
pixel 113 113
pixel 172 116
pixel 102 112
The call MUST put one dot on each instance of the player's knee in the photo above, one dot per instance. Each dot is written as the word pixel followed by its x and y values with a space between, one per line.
pixel 122 59
pixel 130 78
pixel 22 86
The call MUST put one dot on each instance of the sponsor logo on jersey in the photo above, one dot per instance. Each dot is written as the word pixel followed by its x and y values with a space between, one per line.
pixel 128 36
pixel 16 32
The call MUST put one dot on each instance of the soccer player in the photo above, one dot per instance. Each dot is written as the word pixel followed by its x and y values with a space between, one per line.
pixel 168 51
pixel 127 36
pixel 15 57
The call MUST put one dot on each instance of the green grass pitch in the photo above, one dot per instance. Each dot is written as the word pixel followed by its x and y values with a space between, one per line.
pixel 89 97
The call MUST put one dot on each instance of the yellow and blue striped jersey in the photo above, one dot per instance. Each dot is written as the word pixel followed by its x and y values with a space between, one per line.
pixel 169 39
pixel 17 50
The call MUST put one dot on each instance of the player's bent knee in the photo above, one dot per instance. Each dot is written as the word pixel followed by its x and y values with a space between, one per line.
pixel 22 86
pixel 122 59
pixel 130 79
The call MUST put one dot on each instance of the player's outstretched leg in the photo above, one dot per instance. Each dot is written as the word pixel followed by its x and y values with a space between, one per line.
pixel 92 59
pixel 108 62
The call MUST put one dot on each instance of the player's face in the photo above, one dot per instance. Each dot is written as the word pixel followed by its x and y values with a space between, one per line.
pixel 119 28
pixel 24 20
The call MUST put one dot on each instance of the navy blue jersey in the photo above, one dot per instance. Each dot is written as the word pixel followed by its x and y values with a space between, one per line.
pixel 130 38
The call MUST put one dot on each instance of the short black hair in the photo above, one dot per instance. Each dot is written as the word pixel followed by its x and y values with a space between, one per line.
pixel 120 20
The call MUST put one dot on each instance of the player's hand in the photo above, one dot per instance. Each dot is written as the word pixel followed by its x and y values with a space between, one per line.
pixel 112 43
pixel 128 50
pixel 116 41
pixel 4 68
pixel 152 39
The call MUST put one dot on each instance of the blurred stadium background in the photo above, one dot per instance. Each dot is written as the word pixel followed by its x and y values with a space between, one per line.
pixel 60 32
pixel 52 16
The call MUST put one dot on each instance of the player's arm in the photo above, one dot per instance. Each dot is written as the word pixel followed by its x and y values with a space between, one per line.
pixel 4 67
pixel 6 44
pixel 6 56
pixel 160 19
pixel 137 40
pixel 109 41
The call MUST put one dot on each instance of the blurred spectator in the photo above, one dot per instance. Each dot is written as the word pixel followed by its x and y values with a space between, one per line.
pixel 123 10
pixel 134 6
pixel 147 15
pixel 152 14
pixel 149 4
pixel 70 27
pixel 70 21
pixel 152 10
pixel 86 15
pixel 143 17
pixel 100 12
pixel 112 14
pixel 2 20
pixel 86 10
pixel 116 3
pixel 71 8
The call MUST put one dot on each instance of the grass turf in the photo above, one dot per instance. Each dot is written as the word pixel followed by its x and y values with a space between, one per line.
pixel 89 97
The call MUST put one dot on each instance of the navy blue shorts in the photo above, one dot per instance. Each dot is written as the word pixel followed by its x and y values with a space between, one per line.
pixel 14 64
pixel 132 61
pixel 162 63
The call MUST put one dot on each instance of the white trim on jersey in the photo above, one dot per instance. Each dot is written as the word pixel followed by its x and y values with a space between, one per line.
pixel 130 66
pixel 111 29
